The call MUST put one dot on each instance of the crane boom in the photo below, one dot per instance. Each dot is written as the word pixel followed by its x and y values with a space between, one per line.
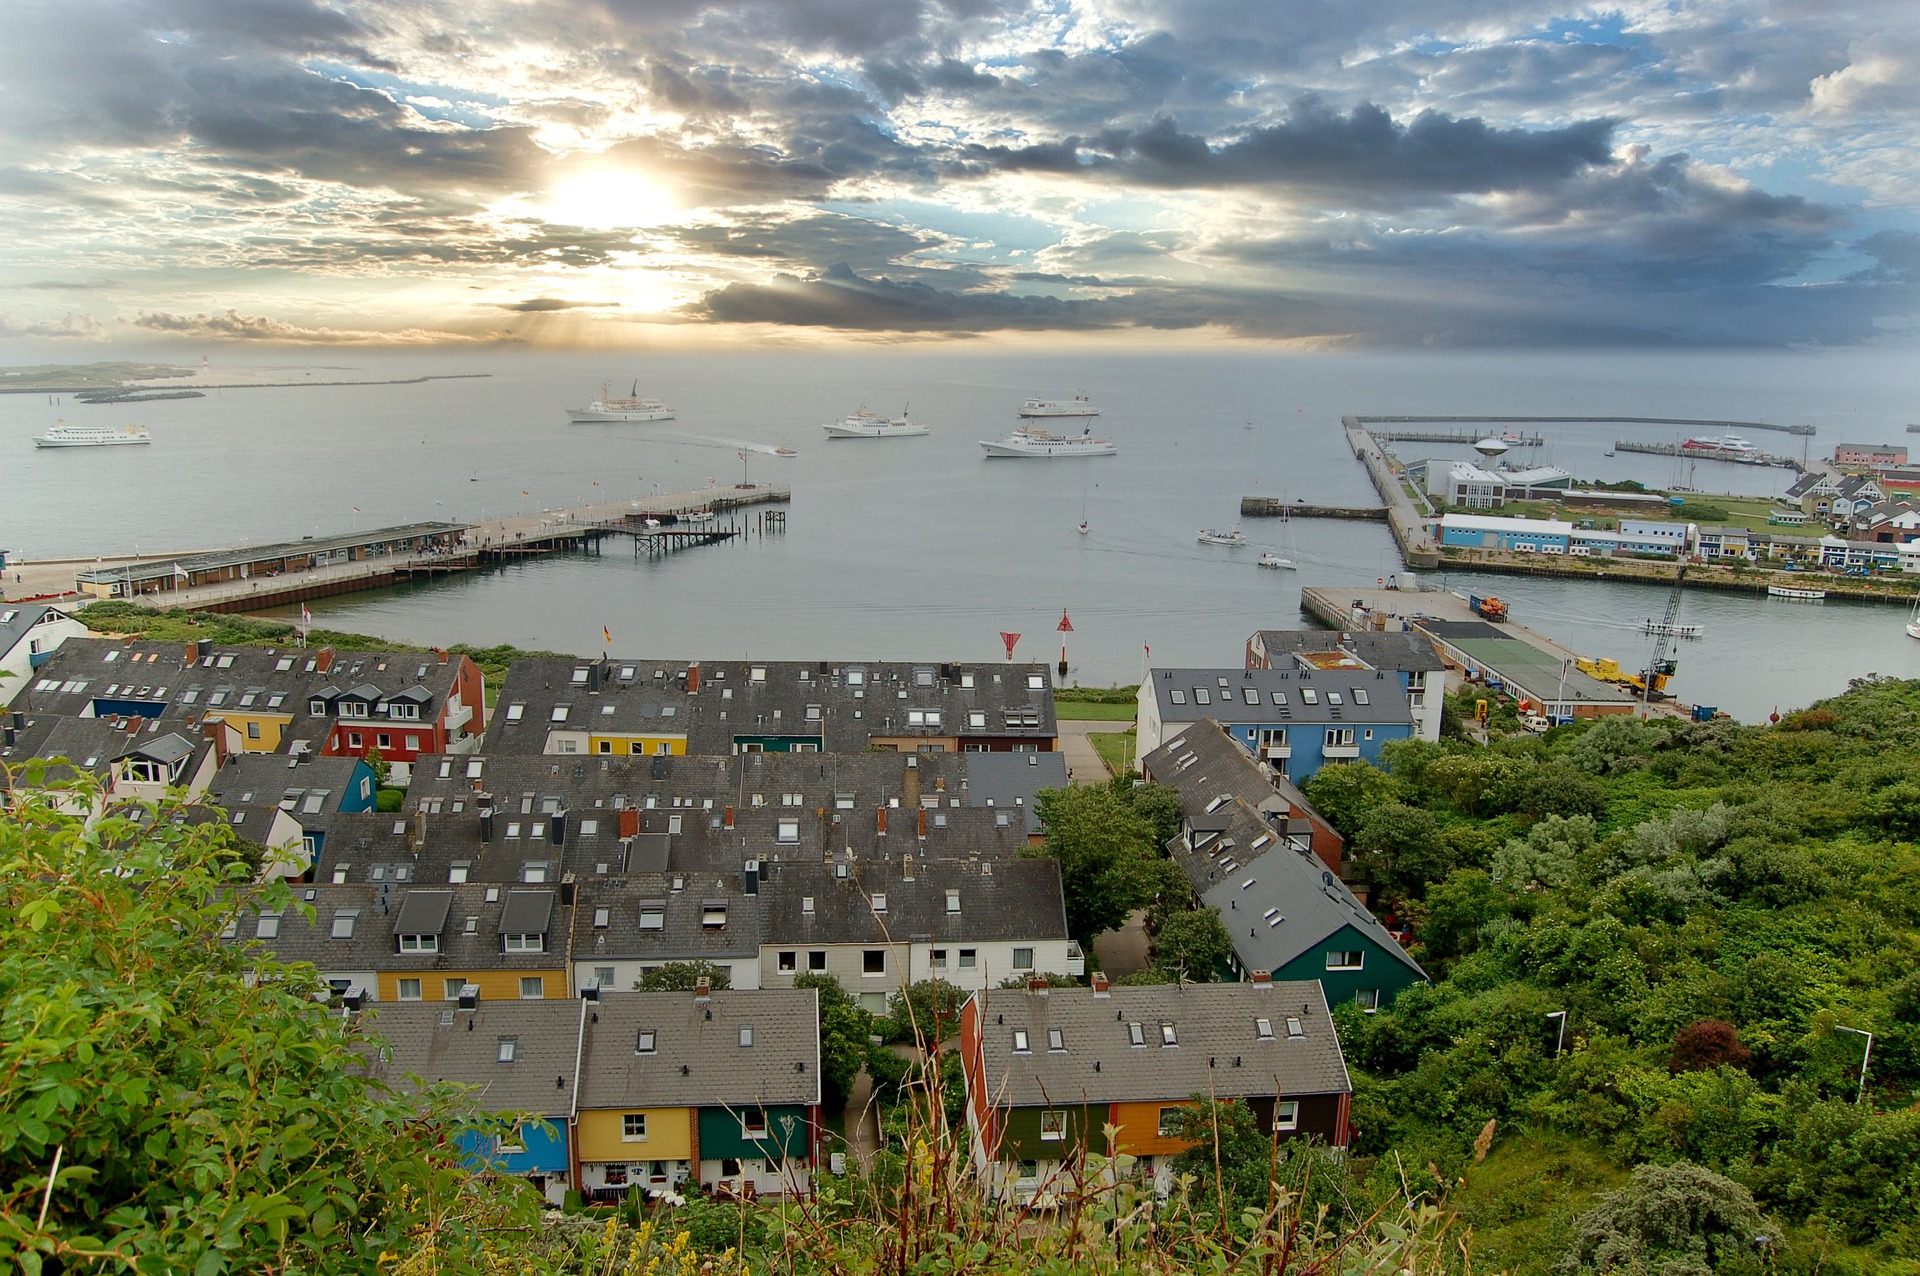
pixel 1661 666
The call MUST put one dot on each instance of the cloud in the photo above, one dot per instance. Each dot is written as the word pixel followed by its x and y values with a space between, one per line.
pixel 231 325
pixel 546 305
pixel 82 327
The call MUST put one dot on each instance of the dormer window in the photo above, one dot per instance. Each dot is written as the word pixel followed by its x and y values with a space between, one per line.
pixel 419 943
pixel 1263 1028
pixel 1020 1045
pixel 643 1041
pixel 523 943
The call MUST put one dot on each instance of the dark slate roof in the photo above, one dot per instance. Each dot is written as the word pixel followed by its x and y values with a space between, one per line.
pixel 1400 651
pixel 310 790
pixel 1855 484
pixel 1215 1028
pixel 436 1042
pixel 384 908
pixel 611 922
pixel 301 939
pixel 1276 901
pixel 1013 779
pixel 1208 769
pixel 1227 690
pixel 1806 483
pixel 698 1060
pixel 1016 899
pixel 844 702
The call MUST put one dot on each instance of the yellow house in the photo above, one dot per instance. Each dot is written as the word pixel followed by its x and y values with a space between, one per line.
pixel 256 732
pixel 648 744
pixel 508 943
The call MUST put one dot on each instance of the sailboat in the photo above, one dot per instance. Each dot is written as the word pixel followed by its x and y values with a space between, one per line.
pixel 1083 509
pixel 1913 620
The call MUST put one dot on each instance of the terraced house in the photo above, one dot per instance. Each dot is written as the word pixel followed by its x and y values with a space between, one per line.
pixel 1048 1069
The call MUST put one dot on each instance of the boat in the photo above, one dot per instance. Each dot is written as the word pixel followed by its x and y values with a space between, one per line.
pixel 785 451
pixel 1031 440
pixel 632 407
pixel 64 435
pixel 1913 620
pixel 1653 626
pixel 1799 595
pixel 1277 562
pixel 1722 447
pixel 1608 452
pixel 1079 405
pixel 1234 537
pixel 871 425
pixel 1083 532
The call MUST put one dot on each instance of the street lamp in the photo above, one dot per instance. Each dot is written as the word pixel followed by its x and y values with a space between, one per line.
pixel 1560 1038
pixel 1861 1094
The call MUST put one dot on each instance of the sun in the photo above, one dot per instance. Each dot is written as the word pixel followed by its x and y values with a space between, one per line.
pixel 608 199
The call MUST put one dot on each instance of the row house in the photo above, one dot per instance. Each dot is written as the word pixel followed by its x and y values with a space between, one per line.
pixel 1408 655
pixel 1209 772
pixel 29 635
pixel 308 789
pixel 1296 720
pixel 1050 1070
pixel 131 759
pixel 615 707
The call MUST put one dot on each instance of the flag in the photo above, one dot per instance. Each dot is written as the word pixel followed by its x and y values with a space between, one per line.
pixel 306 617
pixel 356 509
pixel 1147 649
pixel 181 572
pixel 525 492
pixel 596 482
pixel 607 634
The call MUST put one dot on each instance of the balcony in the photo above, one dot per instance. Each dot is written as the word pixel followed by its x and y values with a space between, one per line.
pixel 460 717
pixel 1276 752
pixel 1076 960
pixel 1340 751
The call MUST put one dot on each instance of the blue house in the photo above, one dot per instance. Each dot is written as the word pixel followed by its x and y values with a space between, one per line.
pixel 1295 720
pixel 310 788
pixel 519 1057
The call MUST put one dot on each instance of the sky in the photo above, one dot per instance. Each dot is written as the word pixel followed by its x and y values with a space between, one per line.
pixel 611 173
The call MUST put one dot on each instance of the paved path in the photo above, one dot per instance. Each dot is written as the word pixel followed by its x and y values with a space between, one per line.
pixel 1123 951
pixel 1082 759
pixel 863 1124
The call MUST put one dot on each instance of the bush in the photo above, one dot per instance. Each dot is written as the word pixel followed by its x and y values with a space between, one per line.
pixel 1707 1044
pixel 1676 1220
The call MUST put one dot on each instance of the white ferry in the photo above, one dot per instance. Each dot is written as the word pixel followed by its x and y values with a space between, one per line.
pixel 64 435
pixel 1079 405
pixel 1798 595
pixel 871 425
pixel 1031 440
pixel 1210 537
pixel 632 407
pixel 1722 447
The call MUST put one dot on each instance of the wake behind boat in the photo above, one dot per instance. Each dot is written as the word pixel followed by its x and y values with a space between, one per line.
pixel 1077 406
pixel 64 435
pixel 632 407
pixel 871 425
pixel 1032 441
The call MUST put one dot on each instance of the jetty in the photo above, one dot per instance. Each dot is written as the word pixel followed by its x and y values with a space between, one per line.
pixel 255 577
pixel 1457 436
pixel 1675 449
pixel 1274 507
pixel 1410 527
pixel 1685 422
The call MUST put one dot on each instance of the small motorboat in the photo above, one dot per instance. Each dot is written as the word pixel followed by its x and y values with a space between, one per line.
pixel 1277 562
pixel 1209 536
pixel 785 451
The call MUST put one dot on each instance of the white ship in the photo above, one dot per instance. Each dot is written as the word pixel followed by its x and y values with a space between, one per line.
pixel 1075 407
pixel 1210 537
pixel 871 425
pixel 1276 562
pixel 1798 595
pixel 631 408
pixel 1722 447
pixel 1031 440
pixel 64 435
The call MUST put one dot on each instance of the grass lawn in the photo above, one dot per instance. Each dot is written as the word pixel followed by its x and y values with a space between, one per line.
pixel 1114 747
pixel 1090 711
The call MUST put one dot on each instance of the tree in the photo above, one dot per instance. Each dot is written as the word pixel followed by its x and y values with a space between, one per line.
pixel 1677 1220
pixel 1231 1158
pixel 1194 944
pixel 1159 805
pixel 1403 848
pixel 1104 848
pixel 926 1011
pixel 1346 793
pixel 208 1111
pixel 1562 791
pixel 1707 1044
pixel 681 976
pixel 381 767
pixel 845 1030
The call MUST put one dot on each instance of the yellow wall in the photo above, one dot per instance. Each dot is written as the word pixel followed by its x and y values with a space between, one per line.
pixel 1140 1130
pixel 669 1136
pixel 271 725
pixel 623 745
pixel 495 985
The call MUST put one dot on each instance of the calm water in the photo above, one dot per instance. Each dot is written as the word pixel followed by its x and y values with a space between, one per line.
pixel 919 547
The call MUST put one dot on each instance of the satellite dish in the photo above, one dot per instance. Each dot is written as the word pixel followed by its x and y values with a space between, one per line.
pixel 1490 447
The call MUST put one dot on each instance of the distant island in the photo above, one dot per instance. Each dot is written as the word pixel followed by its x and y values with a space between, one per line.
pixel 119 382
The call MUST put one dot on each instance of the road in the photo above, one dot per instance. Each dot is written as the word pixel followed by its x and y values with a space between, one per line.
pixel 1083 762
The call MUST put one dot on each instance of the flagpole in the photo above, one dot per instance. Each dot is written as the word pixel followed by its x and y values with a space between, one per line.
pixel 1146 649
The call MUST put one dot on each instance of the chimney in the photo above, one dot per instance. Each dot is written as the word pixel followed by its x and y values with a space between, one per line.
pixel 1101 986
pixel 703 989
pixel 193 650
pixel 693 678
pixel 1263 979
pixel 440 653
pixel 557 828
pixel 629 821
pixel 906 867
pixel 214 731
pixel 323 660
pixel 923 823
pixel 486 823
pixel 752 877
pixel 883 821
pixel 593 675
pixel 1036 985
pixel 727 822
pixel 939 784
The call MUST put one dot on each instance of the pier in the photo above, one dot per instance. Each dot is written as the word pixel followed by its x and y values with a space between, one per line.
pixel 1685 422
pixel 1409 527
pixel 1468 437
pixel 1675 449
pixel 1274 507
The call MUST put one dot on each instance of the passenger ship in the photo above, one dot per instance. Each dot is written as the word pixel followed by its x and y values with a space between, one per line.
pixel 1078 406
pixel 609 409
pixel 64 435
pixel 871 425
pixel 1031 440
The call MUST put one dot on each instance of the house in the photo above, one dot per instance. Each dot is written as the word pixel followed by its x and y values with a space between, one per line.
pixel 1406 654
pixel 636 923
pixel 1049 1069
pixel 405 704
pixel 1872 455
pixel 1296 720
pixel 1286 911
pixel 1890 522
pixel 29 635
pixel 721 1087
pixel 1210 771
pixel 310 790
pixel 659 707
pixel 1812 493
pixel 132 759
pixel 1724 542
pixel 1471 486
pixel 516 1057
pixel 879 925
pixel 327 934
pixel 1854 494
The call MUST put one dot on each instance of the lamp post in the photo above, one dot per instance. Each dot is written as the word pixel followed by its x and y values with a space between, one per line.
pixel 1560 1037
pixel 1861 1094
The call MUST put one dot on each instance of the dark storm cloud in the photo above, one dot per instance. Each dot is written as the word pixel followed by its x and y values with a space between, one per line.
pixel 839 298
pixel 1363 154
pixel 546 305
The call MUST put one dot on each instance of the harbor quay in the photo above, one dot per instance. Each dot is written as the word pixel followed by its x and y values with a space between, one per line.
pixel 248 577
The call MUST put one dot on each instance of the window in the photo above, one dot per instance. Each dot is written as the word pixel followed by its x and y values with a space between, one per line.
pixel 817 959
pixel 509 1049
pixel 968 958
pixel 1338 737
pixel 532 987
pixel 1023 959
pixel 643 1041
pixel 753 1124
pixel 789 831
pixel 746 1035
pixel 419 943
pixel 603 976
pixel 457 871
pixel 953 901
pixel 653 915
pixel 1169 1124
pixel 409 990
pixel 1286 1114
pixel 253 731
pixel 1309 696
pixel 806 905
pixel 1333 698
pixel 1020 1045
pixel 633 1129
pixel 1294 1028
pixel 1136 1034
pixel 1368 999
pixel 383 741
pixel 1250 695
pixel 1353 959
pixel 1056 1040
pixel 560 713
pixel 1053 1125
pixel 880 903
pixel 873 961
pixel 345 921
pixel 713 914
pixel 1360 695
pixel 1036 682
pixel 1263 1028
pixel 268 926
pixel 789 961
pixel 523 943
pixel 1176 695
pixel 1202 695
pixel 939 959
pixel 1167 1037
pixel 616 1175
pixel 602 917
pixel 450 989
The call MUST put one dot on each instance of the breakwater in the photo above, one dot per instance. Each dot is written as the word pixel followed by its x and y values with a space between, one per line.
pixel 1738 580
pixel 1688 422
pixel 1274 507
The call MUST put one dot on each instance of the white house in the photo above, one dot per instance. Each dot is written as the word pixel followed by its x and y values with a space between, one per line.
pixel 29 634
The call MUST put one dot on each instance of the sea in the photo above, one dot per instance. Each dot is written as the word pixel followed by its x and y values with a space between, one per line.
pixel 924 549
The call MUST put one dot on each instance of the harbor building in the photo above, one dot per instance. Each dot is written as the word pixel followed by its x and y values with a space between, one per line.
pixel 267 562
pixel 1471 486
pixel 1874 455
pixel 1524 670
pixel 1296 720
